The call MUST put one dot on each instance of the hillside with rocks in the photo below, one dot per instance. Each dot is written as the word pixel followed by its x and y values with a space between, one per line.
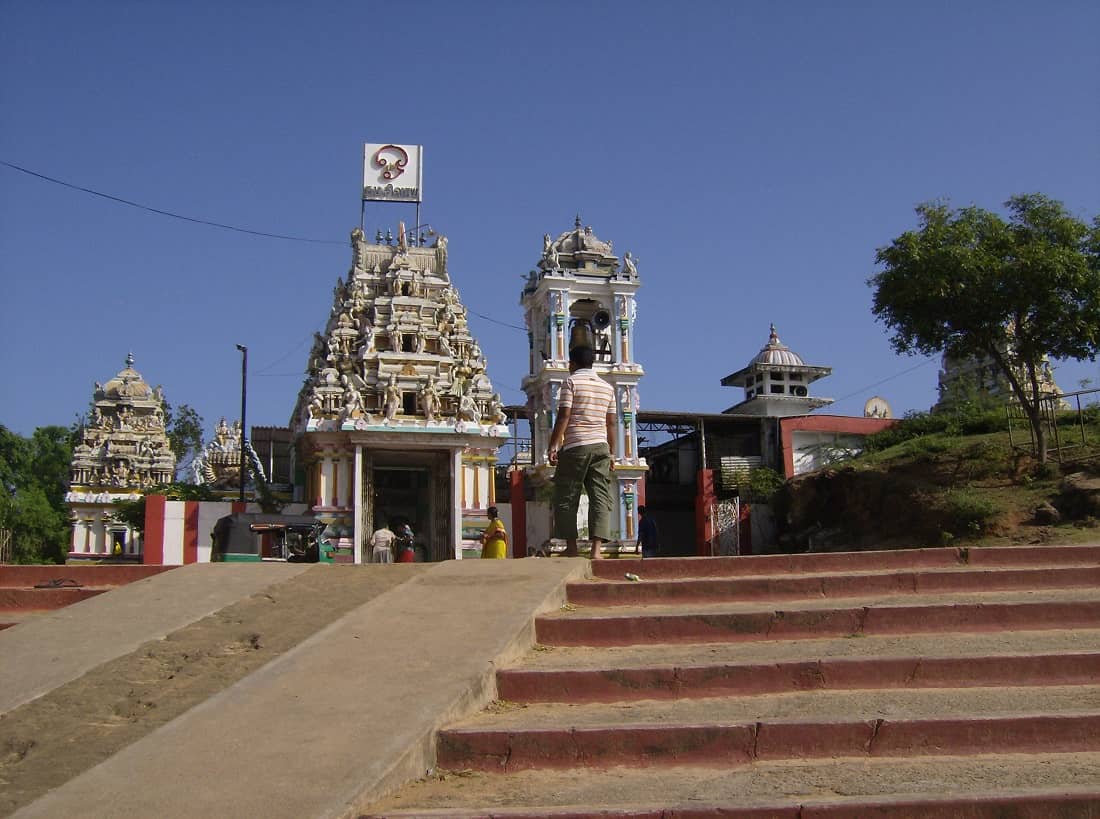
pixel 945 488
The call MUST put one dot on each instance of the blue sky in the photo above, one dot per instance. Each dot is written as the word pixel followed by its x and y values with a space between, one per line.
pixel 751 155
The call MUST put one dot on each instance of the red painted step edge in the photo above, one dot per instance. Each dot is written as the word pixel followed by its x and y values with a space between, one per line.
pixel 43 599
pixel 114 574
pixel 771 588
pixel 750 565
pixel 507 750
pixel 1079 804
pixel 580 630
pixel 664 682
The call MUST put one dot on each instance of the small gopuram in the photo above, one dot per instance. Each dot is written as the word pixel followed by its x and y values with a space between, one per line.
pixel 123 449
pixel 397 420
pixel 777 382
pixel 580 291
pixel 218 466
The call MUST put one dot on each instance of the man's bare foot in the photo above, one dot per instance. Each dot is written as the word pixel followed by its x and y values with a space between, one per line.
pixel 596 553
pixel 570 549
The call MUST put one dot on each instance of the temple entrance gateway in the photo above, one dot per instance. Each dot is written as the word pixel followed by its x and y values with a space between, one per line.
pixel 397 418
pixel 403 494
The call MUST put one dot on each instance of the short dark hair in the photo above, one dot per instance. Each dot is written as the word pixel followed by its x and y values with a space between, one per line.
pixel 491 511
pixel 583 357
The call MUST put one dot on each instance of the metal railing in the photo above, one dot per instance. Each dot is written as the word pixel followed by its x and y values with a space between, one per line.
pixel 1063 436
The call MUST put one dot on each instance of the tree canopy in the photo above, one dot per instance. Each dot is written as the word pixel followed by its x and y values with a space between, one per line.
pixel 34 473
pixel 970 283
pixel 183 426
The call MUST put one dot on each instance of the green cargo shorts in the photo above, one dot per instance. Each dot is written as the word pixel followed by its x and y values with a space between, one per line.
pixel 585 468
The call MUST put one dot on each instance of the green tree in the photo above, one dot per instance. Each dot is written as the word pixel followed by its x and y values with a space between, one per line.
pixel 184 428
pixel 34 473
pixel 966 281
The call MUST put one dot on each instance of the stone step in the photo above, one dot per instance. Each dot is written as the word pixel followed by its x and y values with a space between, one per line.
pixel 974 612
pixel 106 575
pixel 820 705
pixel 667 682
pixel 899 582
pixel 822 724
pixel 894 646
pixel 839 562
pixel 12 599
pixel 947 787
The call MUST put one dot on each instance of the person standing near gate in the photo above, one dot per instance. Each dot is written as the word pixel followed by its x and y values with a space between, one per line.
pixel 648 538
pixel 494 540
pixel 580 447
pixel 382 545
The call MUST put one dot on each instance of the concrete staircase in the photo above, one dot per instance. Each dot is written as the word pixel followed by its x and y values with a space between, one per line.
pixel 27 591
pixel 925 683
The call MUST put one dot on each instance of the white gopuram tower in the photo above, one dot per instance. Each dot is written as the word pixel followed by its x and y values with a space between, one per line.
pixel 581 287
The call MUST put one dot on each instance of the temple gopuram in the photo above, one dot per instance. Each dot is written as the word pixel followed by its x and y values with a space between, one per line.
pixel 397 420
pixel 123 449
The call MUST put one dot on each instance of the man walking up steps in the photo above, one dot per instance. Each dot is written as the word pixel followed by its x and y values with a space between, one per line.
pixel 580 446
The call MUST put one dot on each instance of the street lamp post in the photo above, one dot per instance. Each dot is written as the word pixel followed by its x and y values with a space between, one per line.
pixel 244 396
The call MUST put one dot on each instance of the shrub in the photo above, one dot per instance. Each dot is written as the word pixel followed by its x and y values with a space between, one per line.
pixel 967 513
pixel 764 483
pixel 913 425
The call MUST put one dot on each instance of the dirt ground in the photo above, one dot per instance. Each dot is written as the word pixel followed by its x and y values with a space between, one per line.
pixel 48 741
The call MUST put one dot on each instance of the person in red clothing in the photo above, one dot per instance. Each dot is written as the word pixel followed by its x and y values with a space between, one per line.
pixel 580 447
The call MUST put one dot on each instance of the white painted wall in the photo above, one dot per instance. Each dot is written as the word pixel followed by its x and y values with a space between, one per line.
pixel 173 533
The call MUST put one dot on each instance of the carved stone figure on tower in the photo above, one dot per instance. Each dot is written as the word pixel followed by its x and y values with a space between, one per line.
pixel 221 434
pixel 353 401
pixel 496 410
pixel 550 258
pixel 467 409
pixel 366 342
pixel 429 399
pixel 392 400
pixel 441 254
pixel 445 345
pixel 357 242
pixel 630 266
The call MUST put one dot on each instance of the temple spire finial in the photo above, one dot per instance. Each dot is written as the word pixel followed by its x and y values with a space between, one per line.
pixel 130 359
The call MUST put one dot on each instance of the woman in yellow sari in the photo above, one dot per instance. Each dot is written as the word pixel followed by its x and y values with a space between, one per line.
pixel 494 540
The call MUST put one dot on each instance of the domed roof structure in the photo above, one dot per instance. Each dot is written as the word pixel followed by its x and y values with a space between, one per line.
pixel 775 352
pixel 127 384
pixel 579 249
pixel 776 382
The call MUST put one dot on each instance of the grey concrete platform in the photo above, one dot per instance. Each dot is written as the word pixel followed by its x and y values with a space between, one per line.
pixel 343 718
pixel 51 649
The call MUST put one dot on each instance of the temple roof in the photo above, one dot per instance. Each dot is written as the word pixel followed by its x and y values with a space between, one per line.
pixel 581 239
pixel 775 356
pixel 580 249
pixel 776 352
pixel 128 383
pixel 396 352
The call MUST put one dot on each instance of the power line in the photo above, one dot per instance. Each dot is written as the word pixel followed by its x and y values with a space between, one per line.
pixel 924 363
pixel 284 357
pixel 497 321
pixel 160 212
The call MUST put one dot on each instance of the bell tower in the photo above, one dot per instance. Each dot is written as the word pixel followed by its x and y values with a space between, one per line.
pixel 581 291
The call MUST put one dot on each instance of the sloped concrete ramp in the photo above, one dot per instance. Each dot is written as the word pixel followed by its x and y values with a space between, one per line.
pixel 52 649
pixel 341 719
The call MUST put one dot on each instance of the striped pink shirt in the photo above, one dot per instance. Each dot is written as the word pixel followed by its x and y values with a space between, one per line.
pixel 591 400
